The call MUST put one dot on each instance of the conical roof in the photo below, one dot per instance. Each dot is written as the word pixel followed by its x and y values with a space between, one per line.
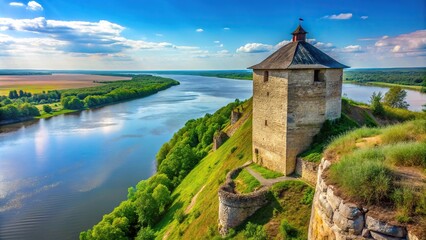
pixel 298 55
pixel 299 30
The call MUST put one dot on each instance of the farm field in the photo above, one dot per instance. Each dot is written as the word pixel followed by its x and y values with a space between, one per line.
pixel 39 83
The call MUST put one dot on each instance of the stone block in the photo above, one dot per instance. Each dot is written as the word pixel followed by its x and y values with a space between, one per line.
pixel 333 199
pixel 385 228
pixel 325 207
pixel 354 226
pixel 380 236
pixel 349 210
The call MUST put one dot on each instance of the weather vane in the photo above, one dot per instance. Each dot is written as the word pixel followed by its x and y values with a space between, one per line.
pixel 300 21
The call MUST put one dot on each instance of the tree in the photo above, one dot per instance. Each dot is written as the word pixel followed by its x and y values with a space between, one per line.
pixel 13 94
pixel 376 104
pixel 162 195
pixel 146 208
pixel 146 234
pixel 47 109
pixel 395 97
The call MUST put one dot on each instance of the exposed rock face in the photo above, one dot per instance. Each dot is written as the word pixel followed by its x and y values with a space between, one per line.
pixel 332 218
pixel 235 208
pixel 219 139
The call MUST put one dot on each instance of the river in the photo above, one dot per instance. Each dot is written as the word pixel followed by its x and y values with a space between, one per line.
pixel 58 176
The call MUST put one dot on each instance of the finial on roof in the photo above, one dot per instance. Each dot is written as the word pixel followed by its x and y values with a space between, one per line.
pixel 299 34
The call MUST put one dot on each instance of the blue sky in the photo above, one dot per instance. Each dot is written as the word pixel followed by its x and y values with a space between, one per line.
pixel 184 34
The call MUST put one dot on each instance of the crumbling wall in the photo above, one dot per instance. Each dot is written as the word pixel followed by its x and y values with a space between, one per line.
pixel 235 208
pixel 219 139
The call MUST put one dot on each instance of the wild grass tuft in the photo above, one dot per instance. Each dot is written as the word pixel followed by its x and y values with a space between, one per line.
pixel 409 131
pixel 346 143
pixel 363 175
pixel 409 154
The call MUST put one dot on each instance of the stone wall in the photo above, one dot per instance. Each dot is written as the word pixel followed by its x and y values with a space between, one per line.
pixel 307 170
pixel 219 139
pixel 332 218
pixel 270 119
pixel 235 116
pixel 235 208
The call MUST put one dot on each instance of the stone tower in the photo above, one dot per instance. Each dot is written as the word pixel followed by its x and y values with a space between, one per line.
pixel 295 90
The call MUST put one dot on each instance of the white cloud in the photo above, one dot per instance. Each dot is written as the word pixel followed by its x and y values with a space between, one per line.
pixel 341 16
pixel 101 37
pixel 254 48
pixel 159 35
pixel 16 4
pixel 226 28
pixel 221 45
pixel 364 17
pixel 217 42
pixel 199 30
pixel 413 43
pixel 223 52
pixel 34 6
pixel 352 49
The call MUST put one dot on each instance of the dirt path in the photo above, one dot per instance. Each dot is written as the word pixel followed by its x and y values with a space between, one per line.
pixel 268 182
pixel 193 201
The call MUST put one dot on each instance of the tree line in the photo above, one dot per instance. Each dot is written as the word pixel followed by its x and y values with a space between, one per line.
pixel 20 104
pixel 410 76
pixel 149 200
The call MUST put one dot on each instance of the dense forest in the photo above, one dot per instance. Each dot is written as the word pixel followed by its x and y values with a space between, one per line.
pixel 149 200
pixel 21 105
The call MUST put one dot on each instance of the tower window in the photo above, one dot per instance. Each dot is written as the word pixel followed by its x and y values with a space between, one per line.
pixel 318 76
pixel 266 122
pixel 265 76
pixel 256 151
pixel 267 94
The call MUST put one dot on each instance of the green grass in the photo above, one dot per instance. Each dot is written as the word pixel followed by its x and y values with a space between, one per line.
pixel 57 109
pixel 210 172
pixel 286 205
pixel 329 130
pixel 245 182
pixel 403 114
pixel 266 173
pixel 370 172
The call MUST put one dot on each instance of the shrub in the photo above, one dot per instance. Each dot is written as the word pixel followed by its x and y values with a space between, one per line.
pixel 255 232
pixel 233 149
pixel 180 216
pixel 288 230
pixel 47 109
pixel 376 104
pixel 308 196
pixel 146 234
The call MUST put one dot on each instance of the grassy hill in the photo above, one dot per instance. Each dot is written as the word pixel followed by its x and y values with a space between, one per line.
pixel 196 197
pixel 181 200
